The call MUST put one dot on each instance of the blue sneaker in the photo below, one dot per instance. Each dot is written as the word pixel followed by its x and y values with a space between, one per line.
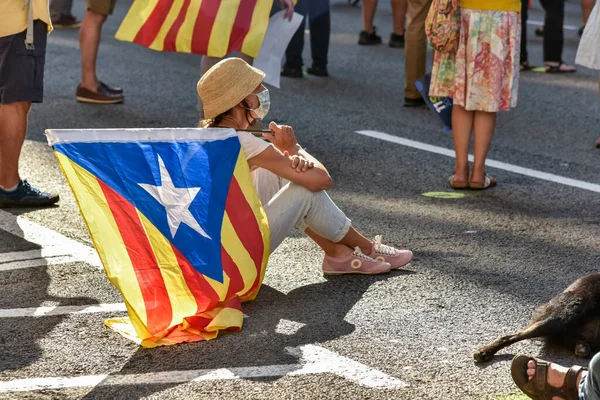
pixel 26 196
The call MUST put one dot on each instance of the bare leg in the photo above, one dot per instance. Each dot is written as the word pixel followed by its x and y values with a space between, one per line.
pixel 13 128
pixel 484 127
pixel 345 247
pixel 89 42
pixel 462 126
pixel 368 12
pixel 399 15
pixel 586 10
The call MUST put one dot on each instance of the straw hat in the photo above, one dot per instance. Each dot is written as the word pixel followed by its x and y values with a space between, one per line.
pixel 226 84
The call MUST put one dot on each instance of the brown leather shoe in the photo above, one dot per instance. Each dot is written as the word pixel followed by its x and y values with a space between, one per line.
pixel 111 89
pixel 102 96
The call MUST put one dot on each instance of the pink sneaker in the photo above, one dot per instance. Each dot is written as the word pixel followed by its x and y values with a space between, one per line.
pixel 355 263
pixel 396 258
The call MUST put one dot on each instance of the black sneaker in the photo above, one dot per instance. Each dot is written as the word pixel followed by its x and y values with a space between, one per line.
pixel 292 72
pixel 26 195
pixel 366 39
pixel 317 71
pixel 396 41
pixel 408 102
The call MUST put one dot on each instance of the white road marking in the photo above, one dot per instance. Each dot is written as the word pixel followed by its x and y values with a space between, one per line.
pixel 287 327
pixel 490 163
pixel 313 360
pixel 51 242
pixel 541 23
pixel 36 262
pixel 60 310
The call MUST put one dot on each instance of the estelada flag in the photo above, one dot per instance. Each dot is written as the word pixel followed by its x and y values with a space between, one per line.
pixel 176 222
pixel 210 27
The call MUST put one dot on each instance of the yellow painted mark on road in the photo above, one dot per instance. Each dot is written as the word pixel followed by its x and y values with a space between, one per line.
pixel 445 195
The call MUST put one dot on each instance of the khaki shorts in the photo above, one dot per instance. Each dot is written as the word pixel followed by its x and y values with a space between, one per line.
pixel 104 7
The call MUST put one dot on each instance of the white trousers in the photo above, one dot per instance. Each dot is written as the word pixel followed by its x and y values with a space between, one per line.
pixel 289 205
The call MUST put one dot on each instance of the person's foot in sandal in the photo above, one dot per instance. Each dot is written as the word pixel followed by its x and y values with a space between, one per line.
pixel 598 143
pixel 526 66
pixel 559 68
pixel 457 184
pixel 542 380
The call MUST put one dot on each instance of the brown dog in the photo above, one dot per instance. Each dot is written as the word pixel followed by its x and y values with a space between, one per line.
pixel 571 319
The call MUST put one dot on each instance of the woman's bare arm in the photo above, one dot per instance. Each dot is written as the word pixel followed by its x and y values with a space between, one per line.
pixel 314 179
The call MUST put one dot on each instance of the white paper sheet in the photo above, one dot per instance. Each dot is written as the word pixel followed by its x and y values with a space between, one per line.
pixel 278 36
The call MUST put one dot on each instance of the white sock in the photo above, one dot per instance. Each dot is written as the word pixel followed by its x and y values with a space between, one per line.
pixel 11 189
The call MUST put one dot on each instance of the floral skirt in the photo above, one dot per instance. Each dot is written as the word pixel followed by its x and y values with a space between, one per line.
pixel 483 74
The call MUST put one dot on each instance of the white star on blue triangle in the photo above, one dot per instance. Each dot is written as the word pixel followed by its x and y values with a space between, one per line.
pixel 176 201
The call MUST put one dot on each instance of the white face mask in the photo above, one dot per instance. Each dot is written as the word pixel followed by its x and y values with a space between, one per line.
pixel 264 104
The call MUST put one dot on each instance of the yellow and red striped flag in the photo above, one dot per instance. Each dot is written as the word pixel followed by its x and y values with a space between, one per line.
pixel 210 27
pixel 176 222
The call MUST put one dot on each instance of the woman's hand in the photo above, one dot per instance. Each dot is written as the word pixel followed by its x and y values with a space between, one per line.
pixel 282 138
pixel 299 163
pixel 288 6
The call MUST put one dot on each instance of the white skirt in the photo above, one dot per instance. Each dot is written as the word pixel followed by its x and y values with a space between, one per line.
pixel 588 53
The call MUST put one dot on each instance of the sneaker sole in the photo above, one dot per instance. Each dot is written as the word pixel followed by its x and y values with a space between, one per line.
pixel 94 101
pixel 27 204
pixel 401 266
pixel 354 272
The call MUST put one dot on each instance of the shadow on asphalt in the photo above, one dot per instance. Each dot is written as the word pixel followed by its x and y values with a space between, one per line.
pixel 320 309
pixel 26 288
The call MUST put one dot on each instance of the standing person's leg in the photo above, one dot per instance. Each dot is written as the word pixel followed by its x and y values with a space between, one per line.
pixel 586 10
pixel 13 128
pixel 60 7
pixel 293 54
pixel 415 53
pixel 21 83
pixel 484 126
pixel 524 61
pixel 399 15
pixel 320 31
pixel 554 36
pixel 589 387
pixel 462 127
pixel 91 89
pixel 368 35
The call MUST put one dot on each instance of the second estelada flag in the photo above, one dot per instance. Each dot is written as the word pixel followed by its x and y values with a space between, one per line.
pixel 210 27
pixel 176 222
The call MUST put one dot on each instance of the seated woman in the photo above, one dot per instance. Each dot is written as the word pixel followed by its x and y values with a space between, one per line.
pixel 290 182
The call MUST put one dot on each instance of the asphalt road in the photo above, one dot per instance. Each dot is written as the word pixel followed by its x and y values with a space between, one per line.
pixel 482 261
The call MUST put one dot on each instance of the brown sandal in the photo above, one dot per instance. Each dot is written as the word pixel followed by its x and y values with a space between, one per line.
pixel 538 388
pixel 598 143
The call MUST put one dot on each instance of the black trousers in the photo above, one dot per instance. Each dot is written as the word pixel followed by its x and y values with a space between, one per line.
pixel 319 23
pixel 524 17
pixel 553 29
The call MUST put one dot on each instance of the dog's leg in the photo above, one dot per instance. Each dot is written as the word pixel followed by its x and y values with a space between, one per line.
pixel 538 329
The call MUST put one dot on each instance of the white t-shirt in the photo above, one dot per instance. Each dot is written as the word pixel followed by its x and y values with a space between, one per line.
pixel 252 145
pixel 265 183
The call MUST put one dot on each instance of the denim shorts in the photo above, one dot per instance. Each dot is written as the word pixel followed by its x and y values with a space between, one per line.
pixel 22 70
